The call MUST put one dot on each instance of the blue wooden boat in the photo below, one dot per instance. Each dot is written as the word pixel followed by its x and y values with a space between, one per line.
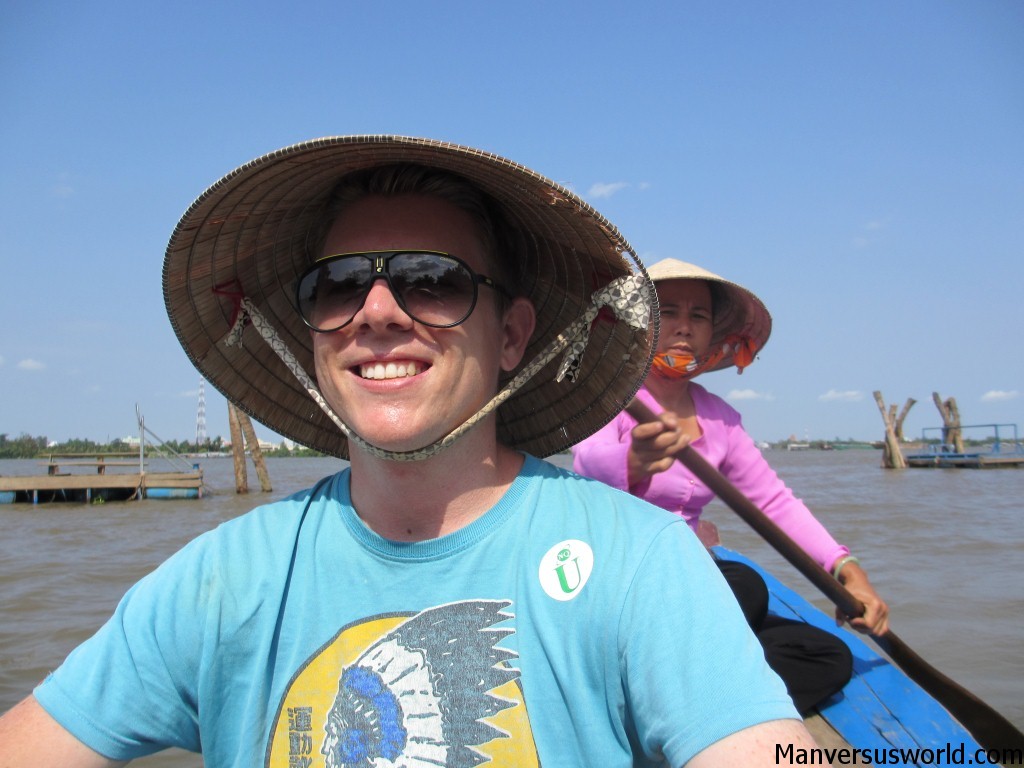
pixel 173 493
pixel 880 710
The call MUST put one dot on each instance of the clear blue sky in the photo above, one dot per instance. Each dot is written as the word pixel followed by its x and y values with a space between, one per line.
pixel 860 166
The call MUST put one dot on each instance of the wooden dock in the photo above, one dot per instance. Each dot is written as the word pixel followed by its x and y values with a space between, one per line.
pixel 1000 451
pixel 87 479
pixel 983 460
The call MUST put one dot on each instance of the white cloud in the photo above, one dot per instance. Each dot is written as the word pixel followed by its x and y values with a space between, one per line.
pixel 748 394
pixel 833 396
pixel 190 393
pixel 28 364
pixel 63 187
pixel 868 229
pixel 999 396
pixel 605 190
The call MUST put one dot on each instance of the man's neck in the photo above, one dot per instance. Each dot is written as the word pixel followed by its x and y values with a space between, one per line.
pixel 426 499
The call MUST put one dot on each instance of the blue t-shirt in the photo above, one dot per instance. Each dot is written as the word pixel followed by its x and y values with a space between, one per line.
pixel 570 625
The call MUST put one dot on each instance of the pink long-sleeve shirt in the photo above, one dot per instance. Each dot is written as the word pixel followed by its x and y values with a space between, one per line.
pixel 725 444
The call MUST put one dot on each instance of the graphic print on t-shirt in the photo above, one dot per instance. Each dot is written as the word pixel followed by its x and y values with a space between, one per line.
pixel 426 689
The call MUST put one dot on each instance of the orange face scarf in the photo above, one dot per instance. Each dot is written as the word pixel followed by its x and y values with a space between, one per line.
pixel 684 366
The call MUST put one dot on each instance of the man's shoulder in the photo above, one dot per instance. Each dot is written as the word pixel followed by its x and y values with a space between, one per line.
pixel 593 497
pixel 273 519
pixel 252 544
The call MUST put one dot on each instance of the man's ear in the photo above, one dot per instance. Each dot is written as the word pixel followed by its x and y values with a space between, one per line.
pixel 519 321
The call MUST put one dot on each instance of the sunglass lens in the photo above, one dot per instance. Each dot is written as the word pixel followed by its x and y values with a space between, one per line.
pixel 330 296
pixel 434 289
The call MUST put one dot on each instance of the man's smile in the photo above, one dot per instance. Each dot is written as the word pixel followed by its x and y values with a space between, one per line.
pixel 392 369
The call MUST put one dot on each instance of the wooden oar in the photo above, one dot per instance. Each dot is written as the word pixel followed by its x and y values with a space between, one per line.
pixel 991 729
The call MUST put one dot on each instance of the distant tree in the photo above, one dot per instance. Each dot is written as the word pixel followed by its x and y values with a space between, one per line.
pixel 78 445
pixel 24 446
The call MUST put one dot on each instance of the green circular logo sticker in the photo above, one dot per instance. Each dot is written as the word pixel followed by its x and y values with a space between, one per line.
pixel 565 569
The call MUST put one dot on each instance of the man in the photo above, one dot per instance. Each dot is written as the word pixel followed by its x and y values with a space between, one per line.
pixel 449 599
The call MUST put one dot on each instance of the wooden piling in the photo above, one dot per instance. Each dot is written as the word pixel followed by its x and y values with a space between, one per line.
pixel 255 451
pixel 952 435
pixel 898 426
pixel 243 434
pixel 892 456
pixel 238 450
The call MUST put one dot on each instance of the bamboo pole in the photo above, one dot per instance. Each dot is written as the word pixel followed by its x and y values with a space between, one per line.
pixel 898 427
pixel 255 451
pixel 951 432
pixel 238 450
pixel 892 456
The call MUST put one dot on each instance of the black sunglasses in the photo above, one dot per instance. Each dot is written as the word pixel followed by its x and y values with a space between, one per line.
pixel 433 288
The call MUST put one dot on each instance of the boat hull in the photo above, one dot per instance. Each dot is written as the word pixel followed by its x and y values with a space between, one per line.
pixel 172 493
pixel 880 709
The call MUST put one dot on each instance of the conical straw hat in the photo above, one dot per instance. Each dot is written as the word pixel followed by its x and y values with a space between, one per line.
pixel 247 236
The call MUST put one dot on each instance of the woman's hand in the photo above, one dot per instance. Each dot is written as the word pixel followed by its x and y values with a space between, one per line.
pixel 654 446
pixel 876 613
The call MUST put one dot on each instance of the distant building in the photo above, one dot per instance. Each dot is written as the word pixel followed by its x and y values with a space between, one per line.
pixel 265 445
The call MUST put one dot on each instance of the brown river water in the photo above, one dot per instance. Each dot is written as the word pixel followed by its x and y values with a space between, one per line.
pixel 943 547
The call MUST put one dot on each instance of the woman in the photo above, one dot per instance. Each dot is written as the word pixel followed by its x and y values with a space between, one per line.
pixel 708 323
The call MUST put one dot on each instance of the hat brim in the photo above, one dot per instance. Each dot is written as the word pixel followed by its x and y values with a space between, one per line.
pixel 247 235
pixel 744 314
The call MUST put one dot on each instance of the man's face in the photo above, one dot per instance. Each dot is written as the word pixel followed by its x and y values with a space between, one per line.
pixel 399 384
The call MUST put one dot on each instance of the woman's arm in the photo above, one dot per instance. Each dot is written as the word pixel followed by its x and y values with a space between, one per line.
pixel 745 466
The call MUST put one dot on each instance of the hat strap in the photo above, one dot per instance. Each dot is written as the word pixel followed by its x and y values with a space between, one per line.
pixel 628 297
